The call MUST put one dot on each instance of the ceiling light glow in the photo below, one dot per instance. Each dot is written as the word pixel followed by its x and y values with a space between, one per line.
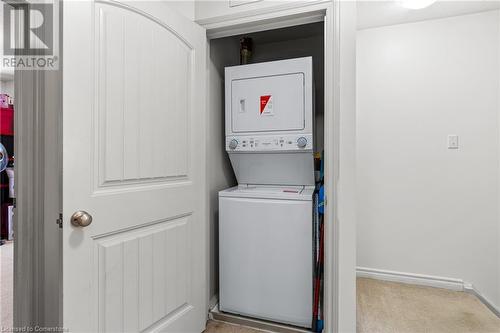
pixel 416 4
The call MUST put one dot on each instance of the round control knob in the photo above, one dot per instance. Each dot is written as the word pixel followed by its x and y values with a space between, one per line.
pixel 301 142
pixel 233 144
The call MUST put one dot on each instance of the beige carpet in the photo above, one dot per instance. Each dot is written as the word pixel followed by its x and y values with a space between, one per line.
pixel 6 284
pixel 390 307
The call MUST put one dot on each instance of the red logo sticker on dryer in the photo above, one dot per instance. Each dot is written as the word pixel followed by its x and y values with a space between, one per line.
pixel 266 104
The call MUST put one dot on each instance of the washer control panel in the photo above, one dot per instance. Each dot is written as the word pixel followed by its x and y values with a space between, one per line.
pixel 269 142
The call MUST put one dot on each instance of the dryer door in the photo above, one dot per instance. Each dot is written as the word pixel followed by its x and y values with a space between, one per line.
pixel 268 103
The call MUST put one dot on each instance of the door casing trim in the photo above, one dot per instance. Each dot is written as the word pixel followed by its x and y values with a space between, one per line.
pixel 329 12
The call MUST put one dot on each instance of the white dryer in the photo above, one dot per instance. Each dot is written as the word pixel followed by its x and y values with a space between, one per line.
pixel 265 251
pixel 269 122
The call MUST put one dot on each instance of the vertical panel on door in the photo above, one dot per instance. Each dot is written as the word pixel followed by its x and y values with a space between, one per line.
pixel 136 272
pixel 142 112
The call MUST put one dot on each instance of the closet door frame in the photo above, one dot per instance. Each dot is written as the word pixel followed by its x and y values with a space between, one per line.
pixel 339 19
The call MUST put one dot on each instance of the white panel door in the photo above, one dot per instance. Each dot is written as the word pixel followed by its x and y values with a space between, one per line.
pixel 134 159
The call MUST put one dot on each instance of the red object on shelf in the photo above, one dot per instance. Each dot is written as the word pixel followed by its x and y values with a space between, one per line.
pixel 6 121
pixel 4 222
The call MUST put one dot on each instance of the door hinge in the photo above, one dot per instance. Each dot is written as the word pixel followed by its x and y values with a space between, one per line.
pixel 59 221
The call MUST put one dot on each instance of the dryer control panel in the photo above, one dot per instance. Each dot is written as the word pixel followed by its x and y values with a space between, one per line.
pixel 260 143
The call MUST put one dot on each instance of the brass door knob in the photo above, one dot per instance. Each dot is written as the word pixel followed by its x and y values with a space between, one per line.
pixel 81 219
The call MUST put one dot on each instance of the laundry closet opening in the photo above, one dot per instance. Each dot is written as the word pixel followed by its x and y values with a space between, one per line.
pixel 257 194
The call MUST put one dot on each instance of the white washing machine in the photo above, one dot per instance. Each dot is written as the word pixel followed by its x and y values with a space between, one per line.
pixel 265 251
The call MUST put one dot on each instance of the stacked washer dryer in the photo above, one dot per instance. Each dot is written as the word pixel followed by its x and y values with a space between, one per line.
pixel 265 223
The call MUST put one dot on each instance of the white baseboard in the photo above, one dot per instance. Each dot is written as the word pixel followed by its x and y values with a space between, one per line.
pixel 426 280
pixel 469 288
pixel 410 278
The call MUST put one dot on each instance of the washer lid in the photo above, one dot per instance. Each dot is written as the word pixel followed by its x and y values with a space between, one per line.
pixel 303 193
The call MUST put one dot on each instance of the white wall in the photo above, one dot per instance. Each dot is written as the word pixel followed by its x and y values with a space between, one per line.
pixel 423 208
pixel 7 87
pixel 184 7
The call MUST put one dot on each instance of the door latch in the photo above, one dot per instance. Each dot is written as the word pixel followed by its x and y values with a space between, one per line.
pixel 59 221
